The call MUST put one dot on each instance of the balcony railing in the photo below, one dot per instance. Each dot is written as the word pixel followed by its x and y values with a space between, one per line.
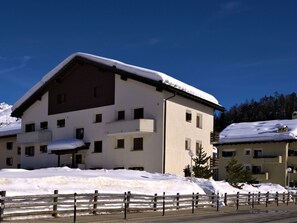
pixel 267 159
pixel 125 127
pixel 214 137
pixel 34 137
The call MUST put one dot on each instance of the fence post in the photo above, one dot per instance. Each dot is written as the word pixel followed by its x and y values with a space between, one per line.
pixel 155 202
pixel 193 198
pixel 249 198
pixel 218 201
pixel 74 204
pixel 237 200
pixel 95 202
pixel 288 198
pixel 276 196
pixel 267 199
pixel 125 205
pixel 295 198
pixel 2 204
pixel 163 204
pixel 225 199
pixel 197 200
pixel 253 201
pixel 259 197
pixel 128 200
pixel 177 201
pixel 55 204
pixel 212 198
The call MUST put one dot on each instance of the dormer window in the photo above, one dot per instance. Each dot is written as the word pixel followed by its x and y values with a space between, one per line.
pixel 61 98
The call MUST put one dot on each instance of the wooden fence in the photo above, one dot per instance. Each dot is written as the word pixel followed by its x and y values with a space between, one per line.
pixel 59 205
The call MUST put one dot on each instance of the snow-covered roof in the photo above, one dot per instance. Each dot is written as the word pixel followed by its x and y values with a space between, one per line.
pixel 275 130
pixel 139 71
pixel 11 129
pixel 65 144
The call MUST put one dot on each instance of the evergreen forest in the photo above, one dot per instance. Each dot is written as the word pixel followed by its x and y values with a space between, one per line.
pixel 274 107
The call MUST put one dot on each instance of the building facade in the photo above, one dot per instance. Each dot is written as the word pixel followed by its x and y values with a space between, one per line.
pixel 10 151
pixel 92 112
pixel 267 149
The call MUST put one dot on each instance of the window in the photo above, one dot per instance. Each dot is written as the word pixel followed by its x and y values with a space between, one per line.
pixel 258 153
pixel 136 168
pixel 228 153
pixel 78 159
pixel 98 147
pixel 188 116
pixel 43 125
pixel 29 151
pixel 247 167
pixel 97 92
pixel 30 127
pixel 187 144
pixel 138 144
pixel 43 149
pixel 247 152
pixel 80 133
pixel 256 169
pixel 9 161
pixel 98 118
pixel 121 115
pixel 199 121
pixel 61 123
pixel 61 98
pixel 138 113
pixel 198 147
pixel 19 150
pixel 118 168
pixel 9 145
pixel 120 143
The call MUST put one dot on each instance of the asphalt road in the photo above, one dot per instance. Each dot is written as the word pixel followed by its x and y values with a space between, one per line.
pixel 272 214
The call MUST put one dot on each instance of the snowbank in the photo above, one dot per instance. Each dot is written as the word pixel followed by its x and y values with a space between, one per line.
pixel 66 180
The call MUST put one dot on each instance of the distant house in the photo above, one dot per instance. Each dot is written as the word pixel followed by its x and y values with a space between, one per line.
pixel 94 112
pixel 9 150
pixel 268 149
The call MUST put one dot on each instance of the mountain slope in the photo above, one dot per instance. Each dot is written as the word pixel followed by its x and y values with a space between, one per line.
pixel 5 118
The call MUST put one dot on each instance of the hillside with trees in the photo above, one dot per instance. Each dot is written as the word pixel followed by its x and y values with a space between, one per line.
pixel 274 107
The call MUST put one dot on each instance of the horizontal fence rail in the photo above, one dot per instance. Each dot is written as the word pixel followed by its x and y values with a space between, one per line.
pixel 60 205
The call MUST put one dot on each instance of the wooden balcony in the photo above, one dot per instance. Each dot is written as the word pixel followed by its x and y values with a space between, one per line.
pixel 214 137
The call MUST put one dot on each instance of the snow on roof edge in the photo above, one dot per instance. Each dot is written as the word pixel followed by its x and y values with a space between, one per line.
pixel 140 71
pixel 260 131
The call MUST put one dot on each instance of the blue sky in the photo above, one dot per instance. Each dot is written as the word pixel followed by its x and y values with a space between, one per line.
pixel 234 49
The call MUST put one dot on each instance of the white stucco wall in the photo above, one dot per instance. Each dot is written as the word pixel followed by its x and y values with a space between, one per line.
pixel 178 130
pixel 128 96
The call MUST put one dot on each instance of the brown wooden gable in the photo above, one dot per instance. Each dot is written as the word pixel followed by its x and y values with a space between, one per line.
pixel 81 86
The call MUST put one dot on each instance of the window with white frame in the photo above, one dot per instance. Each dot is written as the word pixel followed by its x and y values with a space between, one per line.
pixel 247 152
pixel 199 121
pixel 228 153
pixel 247 167
pixel 188 116
pixel 120 144
pixel 187 144
pixel 138 144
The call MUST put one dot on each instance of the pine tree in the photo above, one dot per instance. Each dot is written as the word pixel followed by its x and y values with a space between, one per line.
pixel 201 167
pixel 237 174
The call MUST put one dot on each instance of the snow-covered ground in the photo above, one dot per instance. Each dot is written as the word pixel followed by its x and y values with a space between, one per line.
pixel 66 180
